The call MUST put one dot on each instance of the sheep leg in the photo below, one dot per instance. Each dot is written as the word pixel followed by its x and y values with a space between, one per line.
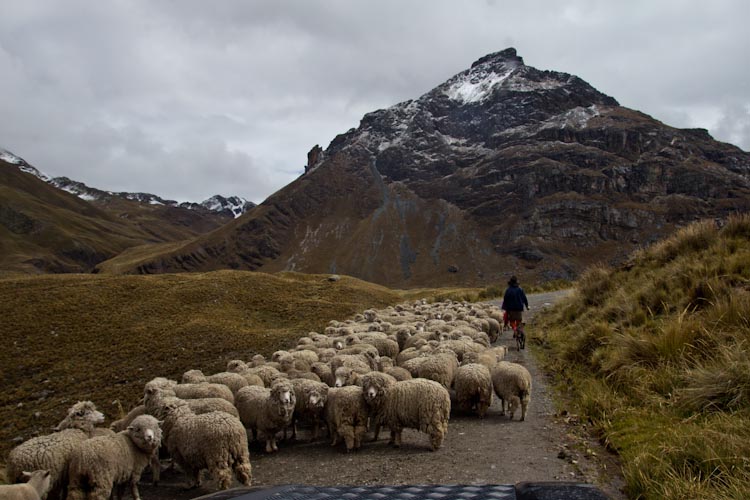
pixel 223 476
pixel 133 488
pixel 397 444
pixel 100 492
pixel 348 433
pixel 392 441
pixel 436 439
pixel 155 468
pixel 243 471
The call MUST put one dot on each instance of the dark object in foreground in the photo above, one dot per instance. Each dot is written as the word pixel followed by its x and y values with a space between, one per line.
pixel 522 491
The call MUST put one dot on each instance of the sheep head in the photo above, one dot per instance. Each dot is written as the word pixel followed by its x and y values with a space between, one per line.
pixel 145 432
pixel 282 391
pixel 345 376
pixel 40 480
pixel 82 415
pixel 193 377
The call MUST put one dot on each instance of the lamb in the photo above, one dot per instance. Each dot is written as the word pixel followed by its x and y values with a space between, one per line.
pixel 473 384
pixel 101 463
pixel 311 398
pixel 419 404
pixel 52 451
pixel 346 416
pixel 512 383
pixel 216 441
pixel 234 381
pixel 35 488
pixel 267 410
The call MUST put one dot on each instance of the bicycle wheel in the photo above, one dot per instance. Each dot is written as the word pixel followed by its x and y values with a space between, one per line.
pixel 520 338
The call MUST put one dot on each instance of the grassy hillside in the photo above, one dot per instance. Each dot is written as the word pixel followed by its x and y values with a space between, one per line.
pixel 657 352
pixel 45 229
pixel 72 337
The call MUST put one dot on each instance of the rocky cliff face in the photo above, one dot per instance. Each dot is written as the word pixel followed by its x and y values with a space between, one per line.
pixel 502 169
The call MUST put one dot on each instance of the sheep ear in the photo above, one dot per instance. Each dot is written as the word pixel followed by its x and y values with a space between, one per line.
pixel 56 428
pixel 26 475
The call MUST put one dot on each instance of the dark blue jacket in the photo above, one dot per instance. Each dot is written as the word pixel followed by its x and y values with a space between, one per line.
pixel 514 299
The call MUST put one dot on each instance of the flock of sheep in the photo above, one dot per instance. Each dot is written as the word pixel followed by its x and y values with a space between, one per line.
pixel 398 367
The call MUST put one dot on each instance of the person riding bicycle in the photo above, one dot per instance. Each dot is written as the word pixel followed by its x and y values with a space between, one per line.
pixel 514 301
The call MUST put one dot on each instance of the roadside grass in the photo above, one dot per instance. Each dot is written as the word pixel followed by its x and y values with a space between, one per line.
pixel 655 354
pixel 101 337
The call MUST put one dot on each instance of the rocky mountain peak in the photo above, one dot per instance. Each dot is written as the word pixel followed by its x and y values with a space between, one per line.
pixel 506 56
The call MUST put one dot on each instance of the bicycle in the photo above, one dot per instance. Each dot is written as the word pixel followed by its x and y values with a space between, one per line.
pixel 518 334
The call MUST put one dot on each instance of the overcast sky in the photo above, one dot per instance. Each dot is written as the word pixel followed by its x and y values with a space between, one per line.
pixel 191 98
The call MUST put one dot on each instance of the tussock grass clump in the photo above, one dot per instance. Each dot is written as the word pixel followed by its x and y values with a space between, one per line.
pixel 657 353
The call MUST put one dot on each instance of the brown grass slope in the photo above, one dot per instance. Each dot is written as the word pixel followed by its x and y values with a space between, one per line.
pixel 45 229
pixel 655 353
pixel 73 337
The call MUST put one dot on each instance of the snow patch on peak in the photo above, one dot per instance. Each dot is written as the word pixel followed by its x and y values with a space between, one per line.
pixel 9 157
pixel 576 117
pixel 477 84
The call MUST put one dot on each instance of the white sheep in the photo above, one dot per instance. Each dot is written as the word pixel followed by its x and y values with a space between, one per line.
pixel 155 399
pixel 216 441
pixel 267 410
pixel 345 375
pixel 234 381
pixel 311 399
pixel 51 452
pixel 35 488
pixel 473 385
pixel 101 463
pixel 192 391
pixel 419 404
pixel 346 416
pixel 512 383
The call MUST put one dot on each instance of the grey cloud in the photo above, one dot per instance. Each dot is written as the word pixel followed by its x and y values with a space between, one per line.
pixel 189 99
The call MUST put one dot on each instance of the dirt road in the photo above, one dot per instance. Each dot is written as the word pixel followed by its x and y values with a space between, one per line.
pixel 494 450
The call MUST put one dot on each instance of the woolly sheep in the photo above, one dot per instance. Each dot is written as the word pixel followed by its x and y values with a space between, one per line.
pixel 234 381
pixel 216 441
pixel 512 383
pixel 51 452
pixel 101 463
pixel 358 362
pixel 346 416
pixel 156 399
pixel 489 357
pixel 379 380
pixel 240 367
pixel 267 410
pixel 35 488
pixel 192 391
pixel 323 371
pixel 419 404
pixel 124 422
pixel 439 367
pixel 310 402
pixel 473 385
pixel 398 372
pixel 345 375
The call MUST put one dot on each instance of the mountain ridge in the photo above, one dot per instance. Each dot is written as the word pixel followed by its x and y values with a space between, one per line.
pixel 233 206
pixel 501 169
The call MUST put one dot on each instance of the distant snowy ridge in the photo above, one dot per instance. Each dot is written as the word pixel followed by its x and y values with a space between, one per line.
pixel 232 205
